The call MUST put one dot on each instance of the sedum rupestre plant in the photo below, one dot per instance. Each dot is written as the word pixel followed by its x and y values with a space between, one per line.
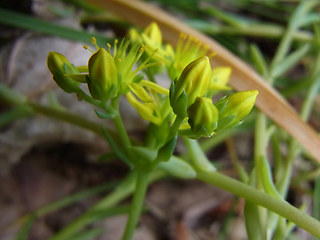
pixel 191 108
pixel 185 109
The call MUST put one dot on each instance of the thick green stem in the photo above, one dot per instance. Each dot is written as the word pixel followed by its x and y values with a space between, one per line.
pixel 119 124
pixel 66 117
pixel 280 207
pixel 260 151
pixel 260 143
pixel 198 157
pixel 175 127
pixel 137 204
pixel 83 96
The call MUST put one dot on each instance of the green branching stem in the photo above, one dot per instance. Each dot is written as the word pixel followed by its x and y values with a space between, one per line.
pixel 260 142
pixel 280 207
pixel 66 117
pixel 121 130
pixel 137 204
pixel 83 96
pixel 175 127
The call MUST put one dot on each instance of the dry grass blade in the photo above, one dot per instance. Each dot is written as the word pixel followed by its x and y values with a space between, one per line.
pixel 243 77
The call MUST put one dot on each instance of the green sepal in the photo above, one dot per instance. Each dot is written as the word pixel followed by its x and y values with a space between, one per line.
pixel 59 66
pixel 166 151
pixel 65 83
pixel 180 105
pixel 79 77
pixel 98 93
pixel 171 91
pixel 70 68
pixel 82 69
pixel 225 123
pixel 141 157
pixel 93 89
pixel 157 134
pixel 221 104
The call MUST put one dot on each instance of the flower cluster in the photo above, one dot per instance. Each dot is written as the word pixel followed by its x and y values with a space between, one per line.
pixel 110 74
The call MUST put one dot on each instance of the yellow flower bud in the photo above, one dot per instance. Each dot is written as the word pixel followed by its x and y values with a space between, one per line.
pixel 153 33
pixel 59 66
pixel 203 117
pixel 103 78
pixel 134 36
pixel 193 82
pixel 234 108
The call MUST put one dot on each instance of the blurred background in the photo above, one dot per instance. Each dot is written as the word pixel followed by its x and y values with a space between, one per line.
pixel 43 160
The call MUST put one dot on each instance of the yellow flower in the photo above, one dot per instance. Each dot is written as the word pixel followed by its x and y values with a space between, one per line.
pixel 110 74
pixel 147 110
pixel 151 105
pixel 151 38
pixel 188 49
pixel 125 56
pixel 153 35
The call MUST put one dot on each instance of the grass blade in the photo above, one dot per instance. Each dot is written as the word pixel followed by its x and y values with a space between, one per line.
pixel 90 234
pixel 19 20
pixel 290 61
pixel 24 231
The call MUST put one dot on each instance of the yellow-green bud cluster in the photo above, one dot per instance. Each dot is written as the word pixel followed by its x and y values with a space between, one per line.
pixel 109 75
